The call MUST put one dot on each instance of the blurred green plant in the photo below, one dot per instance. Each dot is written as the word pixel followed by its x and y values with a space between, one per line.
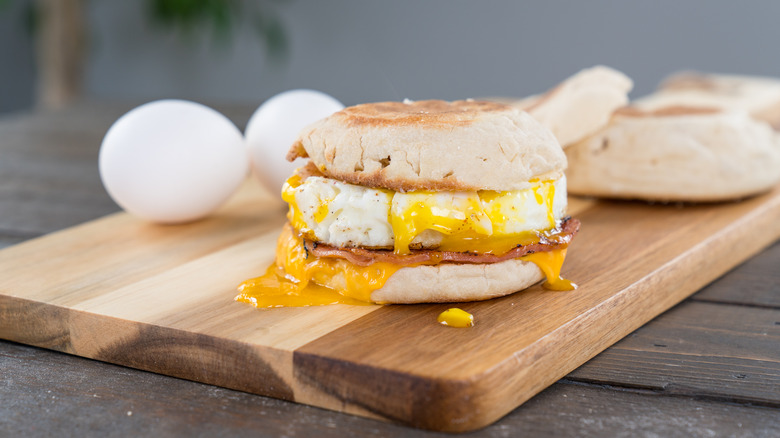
pixel 28 14
pixel 190 16
pixel 62 31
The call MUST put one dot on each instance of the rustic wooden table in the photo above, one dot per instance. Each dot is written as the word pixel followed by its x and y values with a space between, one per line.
pixel 708 367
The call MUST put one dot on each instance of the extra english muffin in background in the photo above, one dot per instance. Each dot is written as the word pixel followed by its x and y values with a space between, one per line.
pixel 676 154
pixel 759 96
pixel 580 105
pixel 429 201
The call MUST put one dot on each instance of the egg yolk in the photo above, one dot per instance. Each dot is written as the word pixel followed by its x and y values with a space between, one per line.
pixel 468 221
pixel 456 318
pixel 478 222
pixel 551 262
pixel 288 195
pixel 462 215
pixel 472 221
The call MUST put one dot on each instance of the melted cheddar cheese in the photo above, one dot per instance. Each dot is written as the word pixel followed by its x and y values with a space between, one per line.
pixel 299 279
pixel 452 214
pixel 478 222
pixel 484 222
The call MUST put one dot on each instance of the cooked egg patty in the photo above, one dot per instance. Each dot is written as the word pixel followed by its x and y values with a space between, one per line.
pixel 347 215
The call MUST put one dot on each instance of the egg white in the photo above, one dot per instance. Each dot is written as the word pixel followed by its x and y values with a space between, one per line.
pixel 348 215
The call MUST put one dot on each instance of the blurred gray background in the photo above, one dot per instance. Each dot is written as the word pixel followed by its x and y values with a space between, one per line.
pixel 361 51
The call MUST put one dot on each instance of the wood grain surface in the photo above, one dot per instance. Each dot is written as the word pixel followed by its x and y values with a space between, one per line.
pixel 159 298
pixel 719 358
pixel 47 393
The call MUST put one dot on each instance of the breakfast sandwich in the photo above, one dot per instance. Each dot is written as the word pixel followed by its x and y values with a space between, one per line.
pixel 413 202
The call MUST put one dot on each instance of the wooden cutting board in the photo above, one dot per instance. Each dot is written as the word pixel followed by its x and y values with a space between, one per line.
pixel 160 298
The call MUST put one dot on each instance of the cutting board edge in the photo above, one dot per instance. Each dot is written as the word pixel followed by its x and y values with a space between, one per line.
pixel 428 391
pixel 165 350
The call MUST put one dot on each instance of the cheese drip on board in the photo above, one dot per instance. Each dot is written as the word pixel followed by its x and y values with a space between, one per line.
pixel 299 279
pixel 456 318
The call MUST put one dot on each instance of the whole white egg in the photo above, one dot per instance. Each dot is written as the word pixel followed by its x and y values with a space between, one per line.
pixel 172 161
pixel 275 125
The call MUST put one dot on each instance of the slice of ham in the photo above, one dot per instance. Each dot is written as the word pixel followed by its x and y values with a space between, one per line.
pixel 558 238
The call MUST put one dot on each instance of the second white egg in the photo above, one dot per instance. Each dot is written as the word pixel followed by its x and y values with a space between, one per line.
pixel 275 125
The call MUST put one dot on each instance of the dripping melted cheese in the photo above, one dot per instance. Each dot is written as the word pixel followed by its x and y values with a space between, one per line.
pixel 479 222
pixel 299 279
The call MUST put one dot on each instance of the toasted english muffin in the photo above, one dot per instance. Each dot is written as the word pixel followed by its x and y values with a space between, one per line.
pixel 676 154
pixel 432 145
pixel 759 96
pixel 446 283
pixel 580 105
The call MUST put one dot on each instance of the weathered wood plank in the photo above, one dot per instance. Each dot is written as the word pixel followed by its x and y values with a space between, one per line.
pixel 48 172
pixel 701 350
pixel 40 195
pixel 12 238
pixel 48 175
pixel 97 116
pixel 591 411
pixel 50 392
pixel 755 283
